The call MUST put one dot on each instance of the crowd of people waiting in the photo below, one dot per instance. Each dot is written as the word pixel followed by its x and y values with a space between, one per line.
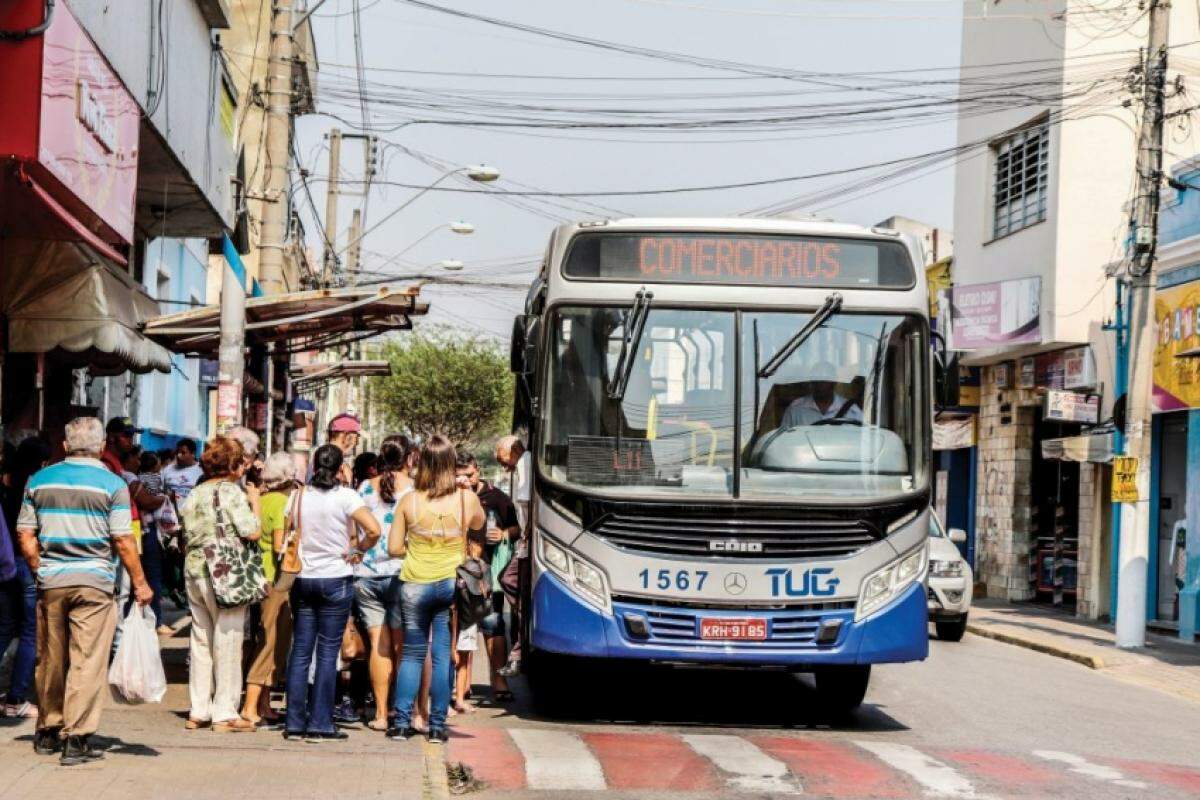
pixel 336 582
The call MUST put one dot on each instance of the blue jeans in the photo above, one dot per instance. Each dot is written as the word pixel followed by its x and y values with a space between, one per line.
pixel 152 568
pixel 18 620
pixel 425 606
pixel 321 607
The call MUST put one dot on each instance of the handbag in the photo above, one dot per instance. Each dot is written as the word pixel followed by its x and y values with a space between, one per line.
pixel 236 568
pixel 472 580
pixel 289 552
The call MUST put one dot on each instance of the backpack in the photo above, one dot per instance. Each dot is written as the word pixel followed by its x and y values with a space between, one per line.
pixel 472 582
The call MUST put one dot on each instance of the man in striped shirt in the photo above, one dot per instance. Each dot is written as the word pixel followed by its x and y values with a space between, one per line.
pixel 73 527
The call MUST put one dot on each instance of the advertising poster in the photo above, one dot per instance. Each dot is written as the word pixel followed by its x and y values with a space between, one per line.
pixel 1177 380
pixel 998 314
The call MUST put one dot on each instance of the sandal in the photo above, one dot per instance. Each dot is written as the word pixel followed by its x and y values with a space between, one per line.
pixel 196 724
pixel 376 725
pixel 502 696
pixel 238 725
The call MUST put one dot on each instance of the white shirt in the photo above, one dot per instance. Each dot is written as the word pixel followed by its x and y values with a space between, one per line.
pixel 325 530
pixel 520 488
pixel 181 480
pixel 805 411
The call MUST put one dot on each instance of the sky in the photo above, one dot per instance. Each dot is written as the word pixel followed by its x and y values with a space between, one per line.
pixel 829 36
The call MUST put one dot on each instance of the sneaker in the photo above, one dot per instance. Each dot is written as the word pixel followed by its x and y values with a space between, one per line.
pixel 437 736
pixel 78 750
pixel 398 734
pixel 345 713
pixel 334 736
pixel 46 742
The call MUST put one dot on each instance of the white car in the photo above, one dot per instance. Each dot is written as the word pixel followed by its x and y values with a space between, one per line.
pixel 950 581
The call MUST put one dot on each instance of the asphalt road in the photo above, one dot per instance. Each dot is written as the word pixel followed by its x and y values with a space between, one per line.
pixel 977 719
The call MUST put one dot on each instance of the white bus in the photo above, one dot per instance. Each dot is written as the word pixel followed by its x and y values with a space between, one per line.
pixel 730 422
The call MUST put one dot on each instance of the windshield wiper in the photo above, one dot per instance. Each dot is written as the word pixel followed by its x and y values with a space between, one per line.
pixel 832 304
pixel 635 321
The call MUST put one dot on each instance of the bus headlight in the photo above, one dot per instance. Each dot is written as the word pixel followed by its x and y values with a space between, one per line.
pixel 579 574
pixel 890 580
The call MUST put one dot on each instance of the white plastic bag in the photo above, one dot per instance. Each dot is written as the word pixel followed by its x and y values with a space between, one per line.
pixel 136 674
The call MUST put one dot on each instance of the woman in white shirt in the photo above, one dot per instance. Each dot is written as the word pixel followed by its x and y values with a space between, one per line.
pixel 330 545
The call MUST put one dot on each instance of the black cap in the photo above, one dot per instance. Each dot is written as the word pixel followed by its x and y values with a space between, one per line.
pixel 121 425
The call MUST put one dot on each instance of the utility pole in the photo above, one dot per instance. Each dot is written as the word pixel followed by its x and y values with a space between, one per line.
pixel 352 255
pixel 231 352
pixel 331 205
pixel 278 148
pixel 1135 517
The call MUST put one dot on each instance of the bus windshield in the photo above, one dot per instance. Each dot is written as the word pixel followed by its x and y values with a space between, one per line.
pixel 841 416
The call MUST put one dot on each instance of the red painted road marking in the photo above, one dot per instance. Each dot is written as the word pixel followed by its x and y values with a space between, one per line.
pixel 830 769
pixel 1182 778
pixel 1006 770
pixel 651 761
pixel 491 754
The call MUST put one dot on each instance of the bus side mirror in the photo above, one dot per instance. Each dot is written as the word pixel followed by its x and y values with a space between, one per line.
pixel 945 375
pixel 523 355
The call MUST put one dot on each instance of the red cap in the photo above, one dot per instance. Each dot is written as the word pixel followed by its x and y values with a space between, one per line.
pixel 345 423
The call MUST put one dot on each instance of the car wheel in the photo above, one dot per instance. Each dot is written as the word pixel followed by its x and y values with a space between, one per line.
pixel 951 630
pixel 841 689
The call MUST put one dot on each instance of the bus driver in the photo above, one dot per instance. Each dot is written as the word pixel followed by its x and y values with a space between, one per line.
pixel 823 403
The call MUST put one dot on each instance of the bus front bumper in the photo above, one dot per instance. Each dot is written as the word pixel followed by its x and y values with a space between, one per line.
pixel 563 623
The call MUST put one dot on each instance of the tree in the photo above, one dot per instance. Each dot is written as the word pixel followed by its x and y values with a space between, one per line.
pixel 443 382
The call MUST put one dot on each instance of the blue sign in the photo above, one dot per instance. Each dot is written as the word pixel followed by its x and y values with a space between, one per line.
pixel 816 582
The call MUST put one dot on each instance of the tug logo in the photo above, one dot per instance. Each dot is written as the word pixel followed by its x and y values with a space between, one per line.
pixel 816 582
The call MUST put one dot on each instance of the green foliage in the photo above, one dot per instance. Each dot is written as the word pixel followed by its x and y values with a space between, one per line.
pixel 445 382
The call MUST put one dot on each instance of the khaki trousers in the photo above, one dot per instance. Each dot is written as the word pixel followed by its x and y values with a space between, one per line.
pixel 74 636
pixel 270 662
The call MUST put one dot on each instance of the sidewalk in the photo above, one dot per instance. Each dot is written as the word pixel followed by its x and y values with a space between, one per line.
pixel 1165 663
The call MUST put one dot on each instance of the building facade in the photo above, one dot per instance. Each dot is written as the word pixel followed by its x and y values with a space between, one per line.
pixel 1041 193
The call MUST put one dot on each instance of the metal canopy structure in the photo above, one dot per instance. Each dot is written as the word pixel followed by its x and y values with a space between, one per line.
pixel 297 321
pixel 307 376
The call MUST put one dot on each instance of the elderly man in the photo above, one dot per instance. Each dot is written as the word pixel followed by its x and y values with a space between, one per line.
pixel 74 516
pixel 512 456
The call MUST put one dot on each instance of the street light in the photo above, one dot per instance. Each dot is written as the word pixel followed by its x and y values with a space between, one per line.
pixel 462 227
pixel 459 226
pixel 451 265
pixel 476 172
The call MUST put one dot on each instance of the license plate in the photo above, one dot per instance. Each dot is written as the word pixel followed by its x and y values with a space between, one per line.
pixel 733 629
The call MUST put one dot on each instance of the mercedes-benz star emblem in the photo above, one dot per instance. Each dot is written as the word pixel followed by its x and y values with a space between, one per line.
pixel 735 583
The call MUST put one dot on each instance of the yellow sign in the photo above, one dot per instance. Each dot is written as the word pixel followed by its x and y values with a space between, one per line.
pixel 1177 380
pixel 1124 480
pixel 937 278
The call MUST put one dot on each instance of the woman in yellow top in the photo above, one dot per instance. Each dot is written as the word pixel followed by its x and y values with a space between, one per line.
pixel 429 530
pixel 270 660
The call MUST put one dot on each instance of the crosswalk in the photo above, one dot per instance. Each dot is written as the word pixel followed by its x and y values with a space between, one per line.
pixel 779 765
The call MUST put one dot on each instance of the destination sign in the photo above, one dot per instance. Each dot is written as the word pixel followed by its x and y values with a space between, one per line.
pixel 740 260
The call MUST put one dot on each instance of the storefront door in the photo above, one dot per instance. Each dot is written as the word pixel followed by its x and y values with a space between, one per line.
pixel 1055 498
pixel 1172 498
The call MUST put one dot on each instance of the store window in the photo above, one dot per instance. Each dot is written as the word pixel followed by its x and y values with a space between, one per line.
pixel 1021 179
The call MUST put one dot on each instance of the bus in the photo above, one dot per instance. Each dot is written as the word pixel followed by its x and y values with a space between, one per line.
pixel 730 428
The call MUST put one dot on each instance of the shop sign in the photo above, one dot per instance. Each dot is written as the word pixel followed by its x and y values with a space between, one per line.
pixel 1000 375
pixel 1177 379
pixel 969 379
pixel 1124 480
pixel 953 433
pixel 77 122
pixel 997 314
pixel 1079 368
pixel 1072 407
pixel 1027 373
pixel 208 372
pixel 937 282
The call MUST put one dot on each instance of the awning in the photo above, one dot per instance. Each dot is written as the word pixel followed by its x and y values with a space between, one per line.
pixel 299 321
pixel 1094 448
pixel 305 376
pixel 63 298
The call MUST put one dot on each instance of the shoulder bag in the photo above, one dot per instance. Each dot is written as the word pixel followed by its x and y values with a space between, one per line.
pixel 289 553
pixel 234 566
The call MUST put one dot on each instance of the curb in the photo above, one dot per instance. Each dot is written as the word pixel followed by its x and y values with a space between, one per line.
pixel 1092 662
